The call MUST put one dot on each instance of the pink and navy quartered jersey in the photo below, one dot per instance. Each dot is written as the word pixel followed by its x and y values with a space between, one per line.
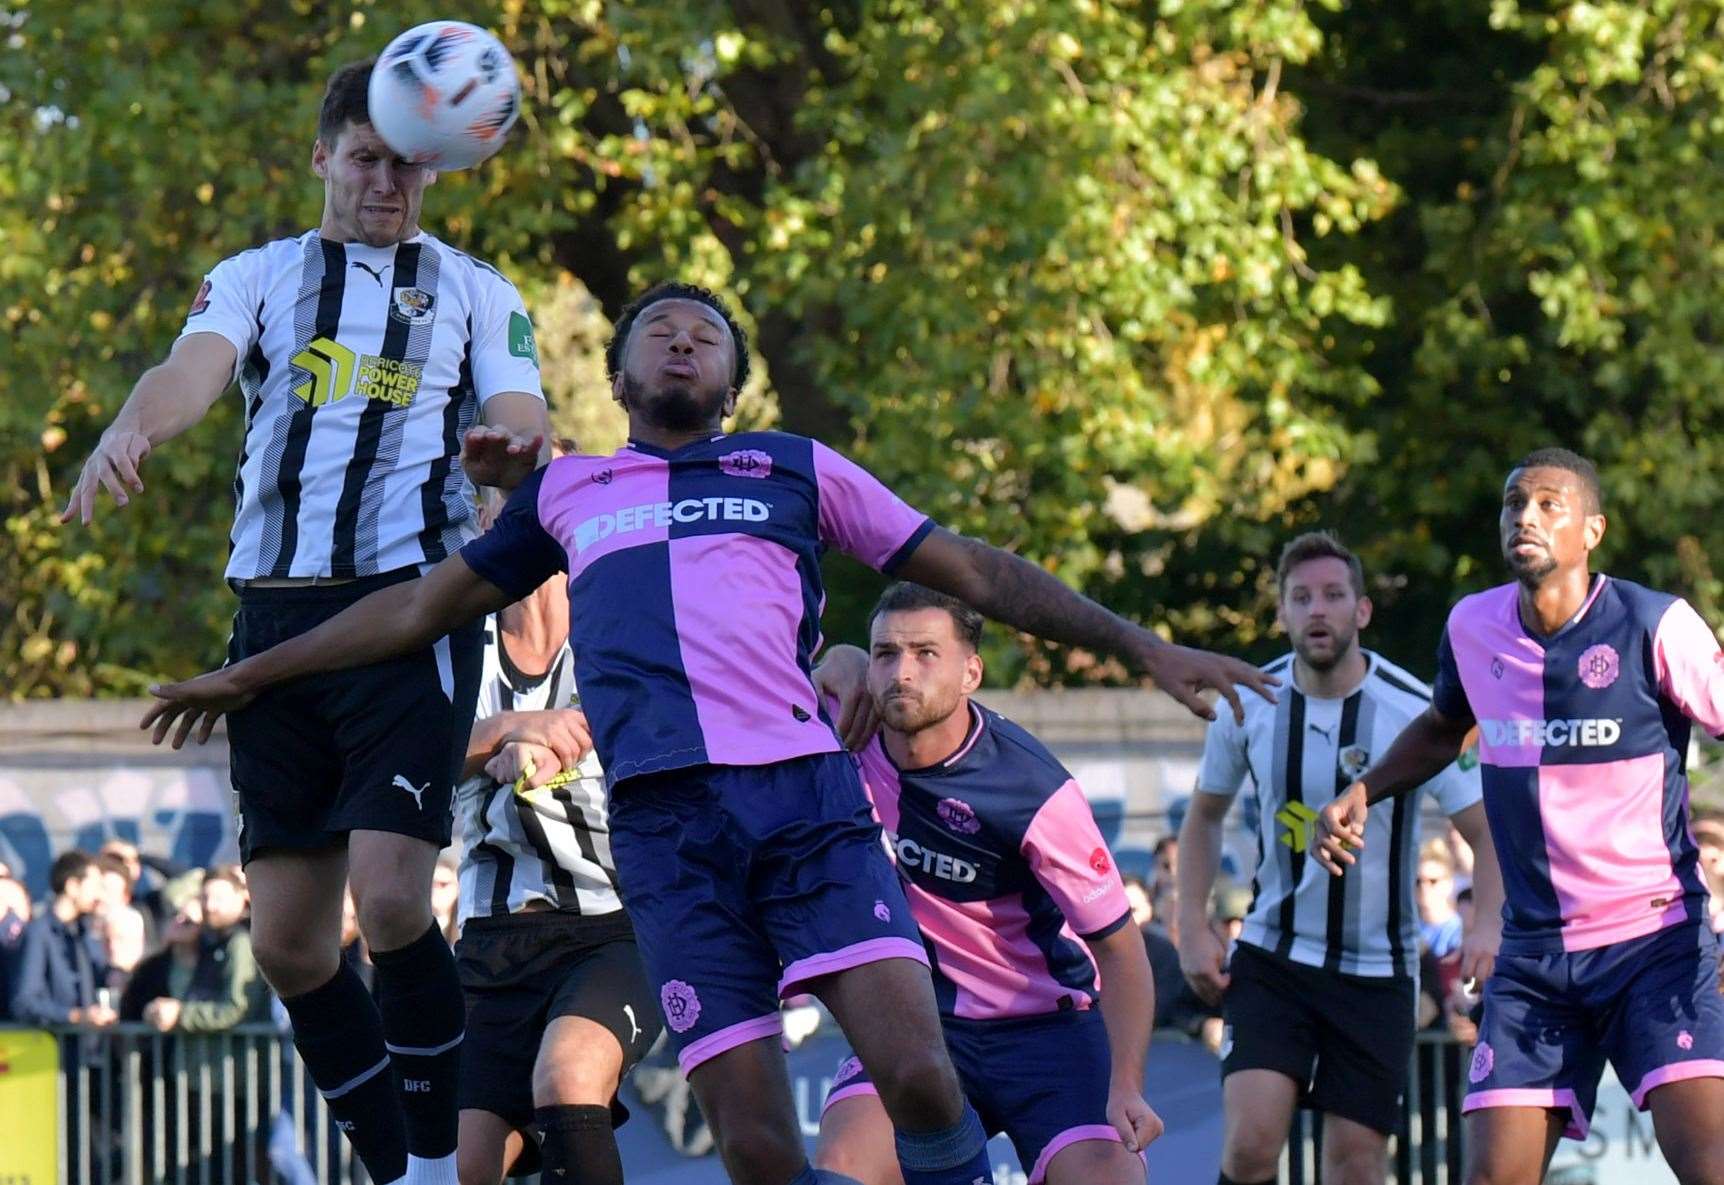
pixel 694 588
pixel 1583 739
pixel 1004 869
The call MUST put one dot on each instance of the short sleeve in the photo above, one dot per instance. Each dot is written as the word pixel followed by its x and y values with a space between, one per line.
pixel 505 352
pixel 1459 785
pixel 1448 693
pixel 227 304
pixel 1224 766
pixel 517 554
pixel 861 517
pixel 1069 857
pixel 1690 666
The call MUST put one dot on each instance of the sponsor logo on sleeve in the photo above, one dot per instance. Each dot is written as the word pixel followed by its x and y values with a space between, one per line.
pixel 522 344
pixel 1098 860
pixel 201 301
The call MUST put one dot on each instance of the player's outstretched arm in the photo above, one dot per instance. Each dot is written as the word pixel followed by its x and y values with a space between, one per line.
pixel 167 400
pixel 514 440
pixel 1420 753
pixel 1013 590
pixel 391 621
pixel 1128 1011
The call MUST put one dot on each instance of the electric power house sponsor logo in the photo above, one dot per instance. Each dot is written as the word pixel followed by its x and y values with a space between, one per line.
pixel 949 868
pixel 1551 734
pixel 652 515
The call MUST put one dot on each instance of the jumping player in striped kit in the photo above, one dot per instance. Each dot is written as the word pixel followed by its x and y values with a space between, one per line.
pixel 369 354
pixel 1584 688
pixel 748 857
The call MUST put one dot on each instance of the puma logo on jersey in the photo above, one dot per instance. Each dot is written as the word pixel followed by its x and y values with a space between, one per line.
pixel 417 792
pixel 374 273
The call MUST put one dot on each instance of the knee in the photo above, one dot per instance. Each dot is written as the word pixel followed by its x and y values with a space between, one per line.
pixel 393 912
pixel 292 965
pixel 577 1082
pixel 1355 1166
pixel 920 1089
pixel 757 1150
pixel 1253 1152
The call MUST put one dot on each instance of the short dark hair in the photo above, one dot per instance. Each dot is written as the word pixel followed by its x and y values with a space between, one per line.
pixel 68 867
pixel 345 100
pixel 1570 462
pixel 1317 545
pixel 675 291
pixel 1165 842
pixel 904 597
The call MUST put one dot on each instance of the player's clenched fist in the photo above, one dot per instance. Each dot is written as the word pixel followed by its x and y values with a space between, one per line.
pixel 1340 829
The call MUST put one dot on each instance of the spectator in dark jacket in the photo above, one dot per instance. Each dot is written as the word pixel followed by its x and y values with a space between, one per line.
pixel 60 963
pixel 224 987
pixel 168 973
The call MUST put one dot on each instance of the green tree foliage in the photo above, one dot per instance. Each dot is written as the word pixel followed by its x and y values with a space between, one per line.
pixel 1134 289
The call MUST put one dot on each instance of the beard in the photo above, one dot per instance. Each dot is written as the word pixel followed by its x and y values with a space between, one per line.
pixel 675 406
pixel 914 714
pixel 1530 570
pixel 1340 646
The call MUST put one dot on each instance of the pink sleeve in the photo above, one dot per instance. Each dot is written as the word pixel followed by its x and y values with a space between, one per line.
pixel 1690 666
pixel 1070 859
pixel 861 517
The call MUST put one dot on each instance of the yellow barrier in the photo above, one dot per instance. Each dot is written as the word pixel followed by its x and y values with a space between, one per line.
pixel 29 1116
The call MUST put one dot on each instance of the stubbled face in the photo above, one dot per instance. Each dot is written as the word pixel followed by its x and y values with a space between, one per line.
pixel 1547 524
pixel 919 670
pixel 1322 611
pixel 224 904
pixel 87 892
pixel 371 195
pixel 677 366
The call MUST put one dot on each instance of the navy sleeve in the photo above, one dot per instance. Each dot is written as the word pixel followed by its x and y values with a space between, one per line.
pixel 517 554
pixel 1448 694
pixel 32 999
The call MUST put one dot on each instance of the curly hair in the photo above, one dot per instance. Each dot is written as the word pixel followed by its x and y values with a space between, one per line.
pixel 675 291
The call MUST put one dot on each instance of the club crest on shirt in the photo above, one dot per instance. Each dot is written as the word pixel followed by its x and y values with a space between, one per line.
pixel 958 815
pixel 1600 666
pixel 1355 760
pixel 748 462
pixel 412 304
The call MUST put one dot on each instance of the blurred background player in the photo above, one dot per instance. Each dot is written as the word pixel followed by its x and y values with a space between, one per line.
pixel 1583 688
pixel 365 350
pixel 558 1004
pixel 1316 954
pixel 743 840
pixel 1022 909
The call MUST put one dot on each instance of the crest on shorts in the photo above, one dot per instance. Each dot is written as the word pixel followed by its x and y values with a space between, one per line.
pixel 1355 760
pixel 958 815
pixel 1484 1058
pixel 1600 666
pixel 412 304
pixel 882 911
pixel 681 1005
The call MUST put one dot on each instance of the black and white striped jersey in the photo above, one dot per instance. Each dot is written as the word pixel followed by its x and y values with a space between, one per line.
pixel 1299 754
pixel 551 845
pixel 361 367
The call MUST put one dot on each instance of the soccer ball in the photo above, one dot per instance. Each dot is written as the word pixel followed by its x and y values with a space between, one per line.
pixel 445 94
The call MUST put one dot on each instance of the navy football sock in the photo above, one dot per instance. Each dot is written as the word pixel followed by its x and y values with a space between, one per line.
pixel 580 1146
pixel 956 1156
pixel 424 1018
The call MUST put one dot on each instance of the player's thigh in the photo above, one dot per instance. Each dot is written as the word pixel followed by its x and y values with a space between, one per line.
pixel 1667 1017
pixel 1353 1153
pixel 887 1010
pixel 1688 1118
pixel 1511 1145
pixel 296 899
pixel 486 1146
pixel 602 1019
pixel 580 1063
pixel 744 1092
pixel 391 878
pixel 1538 1048
pixel 1365 1048
pixel 856 1139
